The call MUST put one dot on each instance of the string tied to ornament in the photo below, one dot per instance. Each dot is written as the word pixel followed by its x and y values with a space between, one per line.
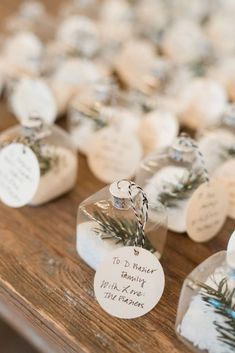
pixel 140 210
pixel 35 127
pixel 185 140
pixel 35 131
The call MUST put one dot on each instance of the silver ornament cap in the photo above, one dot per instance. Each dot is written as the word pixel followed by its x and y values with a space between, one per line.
pixel 119 191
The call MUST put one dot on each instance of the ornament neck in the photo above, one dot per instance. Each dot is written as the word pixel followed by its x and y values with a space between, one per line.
pixel 181 153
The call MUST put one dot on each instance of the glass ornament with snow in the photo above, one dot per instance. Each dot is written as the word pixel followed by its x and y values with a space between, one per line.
pixel 202 102
pixel 138 66
pixel 106 221
pixel 217 143
pixel 170 176
pixel 71 76
pixel 152 19
pixel 184 42
pixel 98 106
pixel 206 310
pixel 22 55
pixel 55 153
pixel 116 24
pixel 80 34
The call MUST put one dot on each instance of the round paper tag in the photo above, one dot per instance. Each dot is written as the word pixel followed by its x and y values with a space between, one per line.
pixel 114 154
pixel 129 282
pixel 230 257
pixel 33 97
pixel 226 175
pixel 19 175
pixel 207 211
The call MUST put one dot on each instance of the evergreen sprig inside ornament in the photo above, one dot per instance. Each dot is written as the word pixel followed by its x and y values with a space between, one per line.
pixel 46 158
pixel 222 299
pixel 92 113
pixel 120 229
pixel 182 189
pixel 228 152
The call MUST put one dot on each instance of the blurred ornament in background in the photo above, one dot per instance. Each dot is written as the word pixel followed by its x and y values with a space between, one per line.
pixel 184 42
pixel 172 63
pixel 202 103
pixel 21 55
pixel 33 95
pixel 80 34
pixel 158 129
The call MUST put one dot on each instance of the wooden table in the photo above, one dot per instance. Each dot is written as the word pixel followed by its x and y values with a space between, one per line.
pixel 46 291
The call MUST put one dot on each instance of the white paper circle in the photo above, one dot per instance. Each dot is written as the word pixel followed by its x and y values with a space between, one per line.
pixel 226 174
pixel 230 258
pixel 207 211
pixel 32 97
pixel 19 175
pixel 114 154
pixel 128 285
pixel 135 64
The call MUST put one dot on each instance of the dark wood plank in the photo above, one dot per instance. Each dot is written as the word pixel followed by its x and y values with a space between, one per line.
pixel 46 290
pixel 11 342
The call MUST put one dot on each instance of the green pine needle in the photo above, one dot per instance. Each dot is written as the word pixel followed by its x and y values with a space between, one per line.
pixel 94 115
pixel 199 69
pixel 120 229
pixel 222 299
pixel 46 159
pixel 227 153
pixel 182 189
pixel 231 151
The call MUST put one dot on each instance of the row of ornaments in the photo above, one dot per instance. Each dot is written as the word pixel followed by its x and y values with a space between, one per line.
pixel 106 221
pixel 171 177
pixel 173 181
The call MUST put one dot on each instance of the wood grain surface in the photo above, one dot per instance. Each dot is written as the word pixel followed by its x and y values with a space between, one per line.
pixel 46 290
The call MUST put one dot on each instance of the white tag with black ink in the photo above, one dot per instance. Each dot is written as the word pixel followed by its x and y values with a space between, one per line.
pixel 129 282
pixel 230 256
pixel 207 211
pixel 19 175
pixel 226 175
pixel 114 154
